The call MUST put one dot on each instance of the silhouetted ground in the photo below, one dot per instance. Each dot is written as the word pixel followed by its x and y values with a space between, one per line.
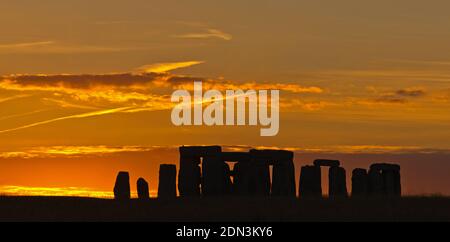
pixel 224 209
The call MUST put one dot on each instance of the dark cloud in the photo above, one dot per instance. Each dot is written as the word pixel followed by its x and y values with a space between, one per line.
pixel 84 81
pixel 400 96
pixel 410 92
pixel 176 80
pixel 390 99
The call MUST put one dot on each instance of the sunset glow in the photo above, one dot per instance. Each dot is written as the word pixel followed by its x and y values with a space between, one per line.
pixel 86 93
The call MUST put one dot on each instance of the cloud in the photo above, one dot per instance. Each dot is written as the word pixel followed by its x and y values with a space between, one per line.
pixel 77 151
pixel 13 97
pixel 114 22
pixel 389 100
pixel 54 47
pixel 208 33
pixel 296 103
pixel 65 104
pixel 144 91
pixel 410 92
pixel 23 114
pixel 165 67
pixel 82 115
pixel 346 149
pixel 101 150
pixel 395 97
pixel 135 86
pixel 26 45
pixel 179 82
pixel 386 75
pixel 420 62
pixel 76 81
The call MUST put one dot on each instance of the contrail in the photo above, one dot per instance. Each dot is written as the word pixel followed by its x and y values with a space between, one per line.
pixel 23 114
pixel 14 97
pixel 82 115
pixel 107 111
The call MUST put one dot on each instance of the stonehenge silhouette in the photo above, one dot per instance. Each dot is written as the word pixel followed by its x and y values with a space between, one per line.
pixel 205 171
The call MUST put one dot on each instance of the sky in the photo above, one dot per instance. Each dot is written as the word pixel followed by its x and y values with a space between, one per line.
pixel 85 86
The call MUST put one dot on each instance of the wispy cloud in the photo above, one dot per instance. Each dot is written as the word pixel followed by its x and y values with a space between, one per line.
pixel 54 47
pixel 206 34
pixel 411 92
pixel 5 99
pixel 76 151
pixel 22 114
pixel 166 66
pixel 82 115
pixel 399 96
pixel 146 90
pixel 346 149
pixel 422 62
pixel 113 22
pixel 26 44
pixel 65 104
pixel 102 150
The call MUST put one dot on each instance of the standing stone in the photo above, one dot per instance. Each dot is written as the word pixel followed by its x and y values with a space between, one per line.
pixel 384 179
pixel 310 182
pixel 283 178
pixel 214 175
pixel 397 184
pixel 240 184
pixel 260 185
pixel 122 186
pixel 260 174
pixel 337 182
pixel 242 173
pixel 376 186
pixel 167 181
pixel 189 176
pixel 360 182
pixel 142 189
pixel 388 182
pixel 228 184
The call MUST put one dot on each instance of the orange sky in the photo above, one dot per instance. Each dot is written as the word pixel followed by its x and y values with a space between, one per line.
pixel 85 86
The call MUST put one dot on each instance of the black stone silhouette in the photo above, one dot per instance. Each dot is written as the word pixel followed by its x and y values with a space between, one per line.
pixel 310 179
pixel 360 182
pixel 384 179
pixel 142 189
pixel 122 186
pixel 337 182
pixel 215 175
pixel 250 175
pixel 376 183
pixel 167 181
pixel 310 182
pixel 189 176
pixel 324 162
pixel 242 176
pixel 205 171
pixel 245 174
pixel 283 172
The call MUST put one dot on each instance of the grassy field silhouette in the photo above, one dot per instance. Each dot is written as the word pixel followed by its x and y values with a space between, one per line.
pixel 231 209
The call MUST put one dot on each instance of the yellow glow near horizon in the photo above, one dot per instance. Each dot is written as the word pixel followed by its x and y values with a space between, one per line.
pixel 9 190
pixel 53 191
